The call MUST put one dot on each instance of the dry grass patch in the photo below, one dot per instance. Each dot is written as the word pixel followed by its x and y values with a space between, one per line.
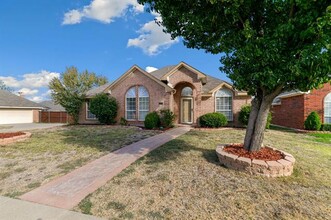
pixel 183 180
pixel 53 152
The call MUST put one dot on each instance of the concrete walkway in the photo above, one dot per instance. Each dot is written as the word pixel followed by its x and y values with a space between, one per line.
pixel 14 209
pixel 67 191
pixel 28 126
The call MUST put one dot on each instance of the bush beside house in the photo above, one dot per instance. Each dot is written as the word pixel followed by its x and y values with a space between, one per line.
pixel 213 120
pixel 313 122
pixel 104 108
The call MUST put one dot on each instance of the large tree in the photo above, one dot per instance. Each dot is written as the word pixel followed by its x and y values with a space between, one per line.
pixel 266 46
pixel 69 90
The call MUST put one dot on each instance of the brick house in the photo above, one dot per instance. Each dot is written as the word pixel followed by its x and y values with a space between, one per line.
pixel 292 108
pixel 183 89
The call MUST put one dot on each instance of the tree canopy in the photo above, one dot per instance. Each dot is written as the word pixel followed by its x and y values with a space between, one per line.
pixel 69 90
pixel 266 47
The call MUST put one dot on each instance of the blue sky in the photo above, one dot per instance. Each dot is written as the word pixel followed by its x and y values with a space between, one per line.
pixel 40 38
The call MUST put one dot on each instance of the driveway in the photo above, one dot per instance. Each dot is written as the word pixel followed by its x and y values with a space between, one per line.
pixel 27 127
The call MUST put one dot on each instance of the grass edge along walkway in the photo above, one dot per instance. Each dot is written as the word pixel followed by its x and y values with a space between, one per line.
pixel 68 190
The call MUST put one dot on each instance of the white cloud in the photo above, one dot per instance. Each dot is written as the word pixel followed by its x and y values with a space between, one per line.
pixel 152 39
pixel 36 98
pixel 30 80
pixel 10 81
pixel 102 10
pixel 27 91
pixel 150 69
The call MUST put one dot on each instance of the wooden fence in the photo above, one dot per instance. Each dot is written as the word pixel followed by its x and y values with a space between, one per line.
pixel 55 117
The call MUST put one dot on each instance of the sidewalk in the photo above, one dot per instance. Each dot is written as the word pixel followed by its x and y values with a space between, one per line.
pixel 67 191
pixel 14 209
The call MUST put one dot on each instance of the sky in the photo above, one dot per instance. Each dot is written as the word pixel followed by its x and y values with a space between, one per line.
pixel 40 38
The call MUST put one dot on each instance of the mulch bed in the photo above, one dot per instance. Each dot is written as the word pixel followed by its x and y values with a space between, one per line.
pixel 11 134
pixel 265 154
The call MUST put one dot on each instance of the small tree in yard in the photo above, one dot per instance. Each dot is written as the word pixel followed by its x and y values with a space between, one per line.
pixel 104 108
pixel 267 47
pixel 69 90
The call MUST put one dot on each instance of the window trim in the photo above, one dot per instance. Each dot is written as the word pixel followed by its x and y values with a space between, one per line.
pixel 327 100
pixel 136 89
pixel 215 102
pixel 87 112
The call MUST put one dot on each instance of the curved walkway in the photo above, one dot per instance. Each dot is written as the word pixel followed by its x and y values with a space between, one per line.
pixel 68 190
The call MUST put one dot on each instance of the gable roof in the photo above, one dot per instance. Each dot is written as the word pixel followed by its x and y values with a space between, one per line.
pixel 209 85
pixel 10 100
pixel 92 92
pixel 163 71
pixel 51 106
pixel 105 87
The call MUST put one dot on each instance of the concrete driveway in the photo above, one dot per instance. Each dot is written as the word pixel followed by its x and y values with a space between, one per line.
pixel 27 127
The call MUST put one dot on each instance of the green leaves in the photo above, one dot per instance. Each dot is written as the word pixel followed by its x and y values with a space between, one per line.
pixel 263 44
pixel 69 90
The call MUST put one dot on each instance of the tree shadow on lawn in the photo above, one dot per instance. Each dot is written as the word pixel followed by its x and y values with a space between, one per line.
pixel 175 149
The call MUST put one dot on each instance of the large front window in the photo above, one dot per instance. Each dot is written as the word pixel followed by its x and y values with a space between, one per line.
pixel 327 109
pixel 89 114
pixel 224 103
pixel 137 101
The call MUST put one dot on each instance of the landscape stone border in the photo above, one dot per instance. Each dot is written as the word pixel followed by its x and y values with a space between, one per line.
pixel 5 141
pixel 282 167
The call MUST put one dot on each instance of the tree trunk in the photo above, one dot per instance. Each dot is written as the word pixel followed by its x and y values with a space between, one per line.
pixel 257 123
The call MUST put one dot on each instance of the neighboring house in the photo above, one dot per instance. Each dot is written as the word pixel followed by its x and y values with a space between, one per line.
pixel 183 89
pixel 53 113
pixel 16 109
pixel 291 109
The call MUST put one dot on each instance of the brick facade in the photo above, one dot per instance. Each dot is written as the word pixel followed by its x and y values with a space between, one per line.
pixel 161 98
pixel 293 111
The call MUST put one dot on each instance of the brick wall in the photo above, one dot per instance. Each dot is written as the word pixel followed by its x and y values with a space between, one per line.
pixel 290 113
pixel 293 111
pixel 156 92
pixel 314 101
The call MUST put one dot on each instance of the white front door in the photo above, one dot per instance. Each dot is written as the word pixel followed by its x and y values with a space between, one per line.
pixel 187 110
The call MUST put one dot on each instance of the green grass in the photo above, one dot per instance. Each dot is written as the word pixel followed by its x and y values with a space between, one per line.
pixel 322 137
pixel 183 180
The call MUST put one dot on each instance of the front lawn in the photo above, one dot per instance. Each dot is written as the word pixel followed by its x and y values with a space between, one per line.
pixel 322 137
pixel 183 180
pixel 53 152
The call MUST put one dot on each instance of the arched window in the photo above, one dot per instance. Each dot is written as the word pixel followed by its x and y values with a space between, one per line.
pixel 143 102
pixel 137 100
pixel 187 91
pixel 327 109
pixel 224 103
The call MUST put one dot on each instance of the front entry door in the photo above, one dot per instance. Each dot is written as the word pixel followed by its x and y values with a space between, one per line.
pixel 187 110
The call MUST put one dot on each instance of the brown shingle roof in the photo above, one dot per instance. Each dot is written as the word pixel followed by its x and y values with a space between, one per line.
pixel 8 99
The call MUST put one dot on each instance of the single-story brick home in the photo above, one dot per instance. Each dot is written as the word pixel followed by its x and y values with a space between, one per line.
pixel 17 109
pixel 181 88
pixel 291 109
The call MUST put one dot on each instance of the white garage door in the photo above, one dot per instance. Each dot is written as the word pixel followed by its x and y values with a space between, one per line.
pixel 15 116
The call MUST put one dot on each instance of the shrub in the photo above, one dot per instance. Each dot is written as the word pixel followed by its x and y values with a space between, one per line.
pixel 167 118
pixel 152 120
pixel 213 120
pixel 326 127
pixel 244 116
pixel 104 108
pixel 123 121
pixel 313 122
